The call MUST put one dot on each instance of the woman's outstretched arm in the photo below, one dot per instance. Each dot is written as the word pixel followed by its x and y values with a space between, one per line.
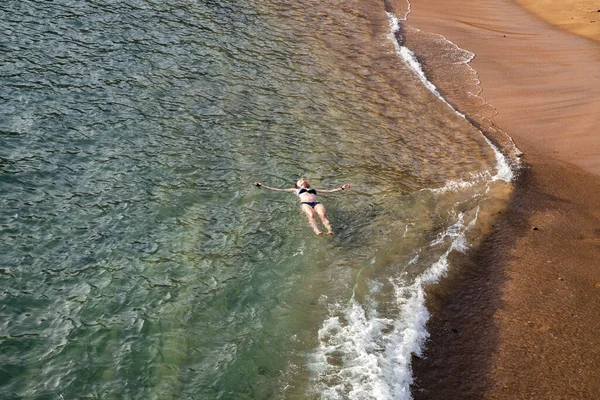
pixel 344 187
pixel 260 185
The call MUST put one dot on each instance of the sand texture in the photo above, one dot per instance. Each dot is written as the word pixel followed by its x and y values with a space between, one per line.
pixel 520 315
pixel 581 17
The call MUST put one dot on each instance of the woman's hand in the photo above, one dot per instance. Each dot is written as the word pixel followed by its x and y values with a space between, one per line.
pixel 257 184
pixel 346 186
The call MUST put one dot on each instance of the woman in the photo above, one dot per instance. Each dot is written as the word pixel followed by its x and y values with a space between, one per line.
pixel 309 203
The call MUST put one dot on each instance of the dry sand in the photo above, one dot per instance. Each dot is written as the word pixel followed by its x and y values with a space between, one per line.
pixel 520 319
pixel 578 16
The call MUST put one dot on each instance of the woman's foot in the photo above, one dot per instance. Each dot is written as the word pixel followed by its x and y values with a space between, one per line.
pixel 330 233
pixel 318 232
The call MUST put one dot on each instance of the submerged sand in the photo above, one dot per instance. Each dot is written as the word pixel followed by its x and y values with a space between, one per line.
pixel 519 317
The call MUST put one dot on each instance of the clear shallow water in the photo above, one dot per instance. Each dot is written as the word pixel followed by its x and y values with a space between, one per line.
pixel 136 258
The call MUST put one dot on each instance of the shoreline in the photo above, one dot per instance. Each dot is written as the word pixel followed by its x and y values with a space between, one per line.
pixel 516 317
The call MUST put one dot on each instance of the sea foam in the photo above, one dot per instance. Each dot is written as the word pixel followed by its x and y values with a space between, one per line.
pixel 365 355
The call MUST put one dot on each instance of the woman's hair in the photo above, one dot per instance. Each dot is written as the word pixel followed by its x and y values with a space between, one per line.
pixel 301 179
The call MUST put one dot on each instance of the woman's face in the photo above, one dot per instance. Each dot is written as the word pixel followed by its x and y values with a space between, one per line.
pixel 302 183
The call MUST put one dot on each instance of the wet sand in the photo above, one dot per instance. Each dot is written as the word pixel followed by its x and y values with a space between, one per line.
pixel 518 317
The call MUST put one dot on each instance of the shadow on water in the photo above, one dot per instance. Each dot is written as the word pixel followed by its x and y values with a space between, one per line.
pixel 352 226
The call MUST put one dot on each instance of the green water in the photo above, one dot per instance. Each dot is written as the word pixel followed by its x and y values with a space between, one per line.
pixel 137 260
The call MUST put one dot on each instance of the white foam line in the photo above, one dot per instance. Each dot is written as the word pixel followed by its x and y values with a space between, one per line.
pixel 411 60
pixel 408 10
pixel 406 228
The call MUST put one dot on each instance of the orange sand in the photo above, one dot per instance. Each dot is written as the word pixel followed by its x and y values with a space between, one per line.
pixel 581 17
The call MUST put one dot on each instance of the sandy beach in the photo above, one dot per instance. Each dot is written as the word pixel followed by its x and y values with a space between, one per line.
pixel 578 16
pixel 519 318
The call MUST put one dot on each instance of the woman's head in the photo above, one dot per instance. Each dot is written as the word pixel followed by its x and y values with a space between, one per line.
pixel 302 183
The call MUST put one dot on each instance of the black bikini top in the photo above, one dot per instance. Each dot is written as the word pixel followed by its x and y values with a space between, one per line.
pixel 303 190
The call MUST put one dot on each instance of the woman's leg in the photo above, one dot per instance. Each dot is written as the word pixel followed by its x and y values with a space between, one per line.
pixel 312 218
pixel 320 209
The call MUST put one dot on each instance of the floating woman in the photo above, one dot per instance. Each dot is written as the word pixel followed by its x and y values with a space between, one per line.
pixel 309 203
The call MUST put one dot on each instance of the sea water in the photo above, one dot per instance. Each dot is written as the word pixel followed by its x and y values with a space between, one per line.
pixel 138 260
